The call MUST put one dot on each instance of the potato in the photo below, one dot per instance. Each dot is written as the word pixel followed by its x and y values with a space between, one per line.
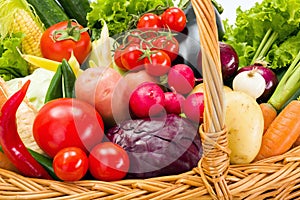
pixel 200 87
pixel 96 86
pixel 109 91
pixel 245 124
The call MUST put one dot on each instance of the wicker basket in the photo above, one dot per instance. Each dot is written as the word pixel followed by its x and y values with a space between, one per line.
pixel 214 178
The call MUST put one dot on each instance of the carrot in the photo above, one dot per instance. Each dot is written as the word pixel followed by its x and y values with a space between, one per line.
pixel 297 143
pixel 282 132
pixel 269 114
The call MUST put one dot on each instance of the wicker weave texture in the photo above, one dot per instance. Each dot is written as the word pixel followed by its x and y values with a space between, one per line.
pixel 273 178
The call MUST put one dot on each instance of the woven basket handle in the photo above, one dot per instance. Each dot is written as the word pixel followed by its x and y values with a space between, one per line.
pixel 215 161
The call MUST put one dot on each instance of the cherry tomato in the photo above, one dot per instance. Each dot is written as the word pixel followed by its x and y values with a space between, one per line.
pixel 70 164
pixel 108 162
pixel 132 57
pixel 117 56
pixel 134 36
pixel 149 21
pixel 55 48
pixel 174 18
pixel 169 44
pixel 158 63
pixel 67 122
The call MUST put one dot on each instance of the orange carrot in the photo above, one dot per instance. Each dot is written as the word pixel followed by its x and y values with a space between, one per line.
pixel 297 143
pixel 282 133
pixel 269 114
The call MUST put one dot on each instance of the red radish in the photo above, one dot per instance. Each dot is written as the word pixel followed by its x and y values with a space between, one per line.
pixel 181 77
pixel 147 100
pixel 173 102
pixel 193 107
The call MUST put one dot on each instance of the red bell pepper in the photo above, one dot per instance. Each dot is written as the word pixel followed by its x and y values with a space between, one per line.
pixel 11 142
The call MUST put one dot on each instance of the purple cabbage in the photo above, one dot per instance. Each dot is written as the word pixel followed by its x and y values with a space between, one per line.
pixel 158 146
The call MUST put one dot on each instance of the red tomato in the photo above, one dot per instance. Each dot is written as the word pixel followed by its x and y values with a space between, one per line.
pixel 117 56
pixel 134 36
pixel 174 18
pixel 108 162
pixel 131 57
pixel 169 44
pixel 158 63
pixel 149 21
pixel 55 49
pixel 67 122
pixel 70 164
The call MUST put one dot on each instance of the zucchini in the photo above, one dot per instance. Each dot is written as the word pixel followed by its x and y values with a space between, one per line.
pixel 76 9
pixel 49 11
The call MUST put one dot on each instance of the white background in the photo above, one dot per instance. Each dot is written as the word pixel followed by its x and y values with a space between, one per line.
pixel 231 5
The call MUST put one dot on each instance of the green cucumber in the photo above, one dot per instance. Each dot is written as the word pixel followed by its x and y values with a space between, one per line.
pixel 49 11
pixel 76 9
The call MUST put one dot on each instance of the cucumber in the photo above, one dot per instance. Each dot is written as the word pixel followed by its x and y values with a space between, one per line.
pixel 49 11
pixel 76 9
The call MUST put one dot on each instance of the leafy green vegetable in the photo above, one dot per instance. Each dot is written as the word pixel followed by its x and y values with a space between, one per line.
pixel 12 65
pixel 266 30
pixel 119 15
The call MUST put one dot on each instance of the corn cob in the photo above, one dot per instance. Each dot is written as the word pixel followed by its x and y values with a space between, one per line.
pixel 19 16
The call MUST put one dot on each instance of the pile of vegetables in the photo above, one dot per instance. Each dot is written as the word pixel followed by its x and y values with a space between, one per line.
pixel 125 99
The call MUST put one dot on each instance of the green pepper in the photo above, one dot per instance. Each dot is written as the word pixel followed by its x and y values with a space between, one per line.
pixel 45 161
pixel 55 88
pixel 69 79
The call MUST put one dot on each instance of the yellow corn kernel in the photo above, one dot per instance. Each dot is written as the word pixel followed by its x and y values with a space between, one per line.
pixel 24 23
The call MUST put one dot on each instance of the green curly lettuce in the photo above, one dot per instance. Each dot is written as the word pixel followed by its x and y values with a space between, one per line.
pixel 119 15
pixel 265 31
pixel 12 65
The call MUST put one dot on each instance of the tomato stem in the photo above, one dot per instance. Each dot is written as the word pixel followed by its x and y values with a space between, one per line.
pixel 72 32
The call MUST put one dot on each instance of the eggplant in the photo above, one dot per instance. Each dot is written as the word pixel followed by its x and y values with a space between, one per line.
pixel 189 40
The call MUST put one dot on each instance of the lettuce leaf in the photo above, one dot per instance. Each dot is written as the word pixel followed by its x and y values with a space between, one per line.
pixel 119 15
pixel 281 17
pixel 12 65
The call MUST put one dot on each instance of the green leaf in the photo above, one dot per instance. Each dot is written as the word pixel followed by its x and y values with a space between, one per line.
pixel 280 16
pixel 12 65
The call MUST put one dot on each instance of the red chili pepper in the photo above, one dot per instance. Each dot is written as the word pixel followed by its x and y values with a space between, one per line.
pixel 11 142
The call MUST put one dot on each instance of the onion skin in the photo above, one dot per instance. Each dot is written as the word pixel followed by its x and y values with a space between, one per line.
pixel 250 82
pixel 229 62
pixel 270 78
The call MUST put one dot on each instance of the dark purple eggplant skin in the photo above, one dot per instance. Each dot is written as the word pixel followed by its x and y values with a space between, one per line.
pixel 160 146
pixel 189 39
